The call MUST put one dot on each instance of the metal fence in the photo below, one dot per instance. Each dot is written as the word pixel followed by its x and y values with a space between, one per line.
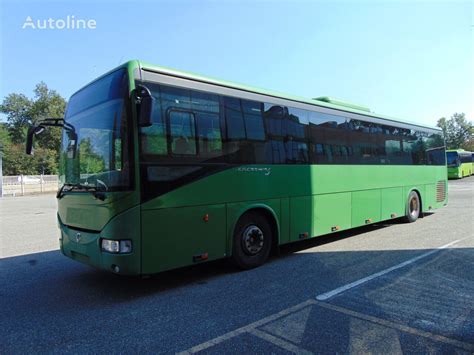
pixel 29 184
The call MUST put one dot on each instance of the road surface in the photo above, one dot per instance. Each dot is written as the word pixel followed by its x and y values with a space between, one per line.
pixel 388 288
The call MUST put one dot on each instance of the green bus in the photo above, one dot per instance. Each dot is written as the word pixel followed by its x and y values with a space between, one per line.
pixel 162 169
pixel 472 163
pixel 460 163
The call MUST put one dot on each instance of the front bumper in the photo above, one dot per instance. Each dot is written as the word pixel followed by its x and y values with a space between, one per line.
pixel 453 173
pixel 84 247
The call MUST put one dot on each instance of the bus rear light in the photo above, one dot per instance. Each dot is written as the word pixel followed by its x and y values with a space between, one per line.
pixel 116 246
pixel 206 217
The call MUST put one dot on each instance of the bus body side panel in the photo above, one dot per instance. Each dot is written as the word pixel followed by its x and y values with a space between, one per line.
pixel 316 199
pixel 392 203
pixel 466 169
pixel 176 237
pixel 284 220
pixel 332 213
pixel 430 197
pixel 301 218
pixel 365 207
pixel 459 172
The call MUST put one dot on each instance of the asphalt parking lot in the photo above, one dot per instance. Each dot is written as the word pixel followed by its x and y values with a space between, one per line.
pixel 387 288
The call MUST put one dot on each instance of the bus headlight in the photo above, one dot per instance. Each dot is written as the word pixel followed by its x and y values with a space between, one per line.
pixel 116 246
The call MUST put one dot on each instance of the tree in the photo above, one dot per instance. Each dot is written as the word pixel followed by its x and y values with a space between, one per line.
pixel 22 112
pixel 458 132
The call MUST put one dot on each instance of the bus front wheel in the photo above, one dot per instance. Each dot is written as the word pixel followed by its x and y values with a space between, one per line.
pixel 252 241
pixel 413 208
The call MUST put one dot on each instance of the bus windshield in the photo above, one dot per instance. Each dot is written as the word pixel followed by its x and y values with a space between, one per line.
pixel 452 159
pixel 98 152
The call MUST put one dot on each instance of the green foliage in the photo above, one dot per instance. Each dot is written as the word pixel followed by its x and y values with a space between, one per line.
pixel 90 162
pixel 16 162
pixel 21 113
pixel 4 136
pixel 458 132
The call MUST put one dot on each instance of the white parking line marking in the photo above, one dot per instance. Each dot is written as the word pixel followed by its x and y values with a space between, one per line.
pixel 252 327
pixel 245 329
pixel 397 326
pixel 327 295
pixel 279 342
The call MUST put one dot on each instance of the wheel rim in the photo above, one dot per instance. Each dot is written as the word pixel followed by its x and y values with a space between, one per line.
pixel 414 206
pixel 252 240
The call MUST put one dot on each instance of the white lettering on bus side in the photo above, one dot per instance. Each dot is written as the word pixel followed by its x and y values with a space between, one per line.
pixel 266 171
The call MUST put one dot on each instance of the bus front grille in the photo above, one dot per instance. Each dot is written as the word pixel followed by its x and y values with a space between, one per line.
pixel 440 191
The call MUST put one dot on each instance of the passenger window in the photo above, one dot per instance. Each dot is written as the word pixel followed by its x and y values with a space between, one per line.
pixel 182 133
pixel 275 116
pixel 278 152
pixel 253 120
pixel 209 133
pixel 234 118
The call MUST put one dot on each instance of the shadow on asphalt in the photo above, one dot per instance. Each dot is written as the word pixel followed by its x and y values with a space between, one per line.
pixel 48 297
pixel 329 238
pixel 123 288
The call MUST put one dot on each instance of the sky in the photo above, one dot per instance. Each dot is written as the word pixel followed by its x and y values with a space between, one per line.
pixel 407 59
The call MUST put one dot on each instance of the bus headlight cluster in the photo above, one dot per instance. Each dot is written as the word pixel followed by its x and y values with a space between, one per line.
pixel 116 246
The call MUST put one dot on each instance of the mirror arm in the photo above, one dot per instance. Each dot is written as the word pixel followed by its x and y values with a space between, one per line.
pixel 41 125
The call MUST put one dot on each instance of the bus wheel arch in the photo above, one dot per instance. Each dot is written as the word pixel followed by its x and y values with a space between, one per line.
pixel 261 220
pixel 413 206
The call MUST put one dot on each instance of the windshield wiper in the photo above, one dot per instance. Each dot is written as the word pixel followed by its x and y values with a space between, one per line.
pixel 89 188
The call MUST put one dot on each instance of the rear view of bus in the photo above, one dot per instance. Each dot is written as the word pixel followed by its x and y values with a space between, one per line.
pixel 460 163
pixel 162 169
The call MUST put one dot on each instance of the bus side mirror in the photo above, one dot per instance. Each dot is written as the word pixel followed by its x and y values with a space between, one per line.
pixel 144 100
pixel 29 138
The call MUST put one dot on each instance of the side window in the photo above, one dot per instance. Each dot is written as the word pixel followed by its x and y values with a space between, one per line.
pixel 297 152
pixel 297 121
pixel 274 115
pixel 234 119
pixel 253 120
pixel 435 150
pixel 278 152
pixel 328 133
pixel 173 97
pixel 209 134
pixel 182 133
pixel 414 146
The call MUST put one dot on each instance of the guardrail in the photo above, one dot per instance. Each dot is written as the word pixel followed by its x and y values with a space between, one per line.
pixel 21 185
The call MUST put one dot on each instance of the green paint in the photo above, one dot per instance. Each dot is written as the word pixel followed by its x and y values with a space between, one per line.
pixel 199 218
pixel 462 168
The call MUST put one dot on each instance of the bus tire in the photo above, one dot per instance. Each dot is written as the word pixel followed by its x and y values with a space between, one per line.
pixel 413 207
pixel 252 241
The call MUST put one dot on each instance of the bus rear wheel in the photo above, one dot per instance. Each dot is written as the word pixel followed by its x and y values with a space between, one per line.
pixel 252 241
pixel 413 208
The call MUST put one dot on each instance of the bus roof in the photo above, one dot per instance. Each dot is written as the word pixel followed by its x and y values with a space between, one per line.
pixel 323 101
